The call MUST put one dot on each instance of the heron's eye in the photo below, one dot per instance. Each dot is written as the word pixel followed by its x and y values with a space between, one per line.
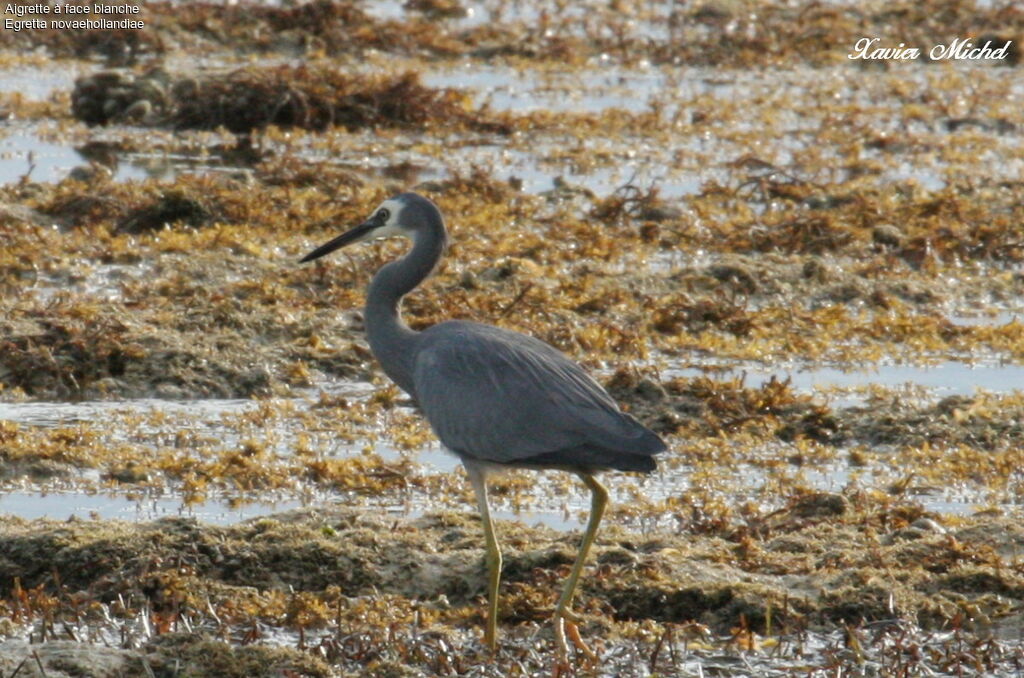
pixel 384 214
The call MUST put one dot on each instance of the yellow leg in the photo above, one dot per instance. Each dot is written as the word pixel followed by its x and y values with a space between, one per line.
pixel 476 477
pixel 563 615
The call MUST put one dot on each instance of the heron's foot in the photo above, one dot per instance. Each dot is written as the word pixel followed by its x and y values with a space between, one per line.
pixel 565 624
pixel 574 636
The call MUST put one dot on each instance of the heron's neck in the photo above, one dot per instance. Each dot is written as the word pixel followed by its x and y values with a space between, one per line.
pixel 391 340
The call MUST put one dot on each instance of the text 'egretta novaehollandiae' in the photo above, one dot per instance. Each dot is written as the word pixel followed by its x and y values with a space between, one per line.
pixel 497 399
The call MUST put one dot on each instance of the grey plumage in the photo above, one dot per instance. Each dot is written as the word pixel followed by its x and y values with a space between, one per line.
pixel 505 398
pixel 493 397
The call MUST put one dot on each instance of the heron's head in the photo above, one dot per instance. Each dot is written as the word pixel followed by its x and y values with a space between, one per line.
pixel 405 215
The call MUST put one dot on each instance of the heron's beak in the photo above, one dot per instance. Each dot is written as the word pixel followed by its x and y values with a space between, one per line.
pixel 360 232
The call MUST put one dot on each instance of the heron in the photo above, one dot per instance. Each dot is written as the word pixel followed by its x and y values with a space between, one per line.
pixel 495 398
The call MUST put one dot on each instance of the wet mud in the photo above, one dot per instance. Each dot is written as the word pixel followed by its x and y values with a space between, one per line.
pixel 360 592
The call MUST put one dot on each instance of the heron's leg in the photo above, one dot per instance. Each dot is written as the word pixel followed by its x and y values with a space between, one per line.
pixel 563 615
pixel 476 477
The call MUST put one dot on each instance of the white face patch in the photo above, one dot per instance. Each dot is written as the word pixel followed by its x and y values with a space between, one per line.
pixel 390 227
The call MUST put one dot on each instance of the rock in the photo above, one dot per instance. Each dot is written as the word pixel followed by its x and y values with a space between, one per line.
pixel 651 391
pixel 928 525
pixel 887 234
pixel 820 505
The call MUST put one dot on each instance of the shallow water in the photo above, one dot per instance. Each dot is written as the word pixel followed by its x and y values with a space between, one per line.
pixel 941 380
pixel 23 151
pixel 506 89
pixel 66 505
pixel 548 502
pixel 678 168
pixel 46 414
pixel 40 82
pixel 24 154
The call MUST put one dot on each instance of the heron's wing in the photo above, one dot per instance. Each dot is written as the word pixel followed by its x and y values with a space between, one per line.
pixel 507 398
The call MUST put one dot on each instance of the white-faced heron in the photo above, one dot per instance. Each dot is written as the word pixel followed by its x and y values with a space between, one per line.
pixel 497 399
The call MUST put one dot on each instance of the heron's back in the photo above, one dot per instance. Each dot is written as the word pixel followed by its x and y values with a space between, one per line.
pixel 505 398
